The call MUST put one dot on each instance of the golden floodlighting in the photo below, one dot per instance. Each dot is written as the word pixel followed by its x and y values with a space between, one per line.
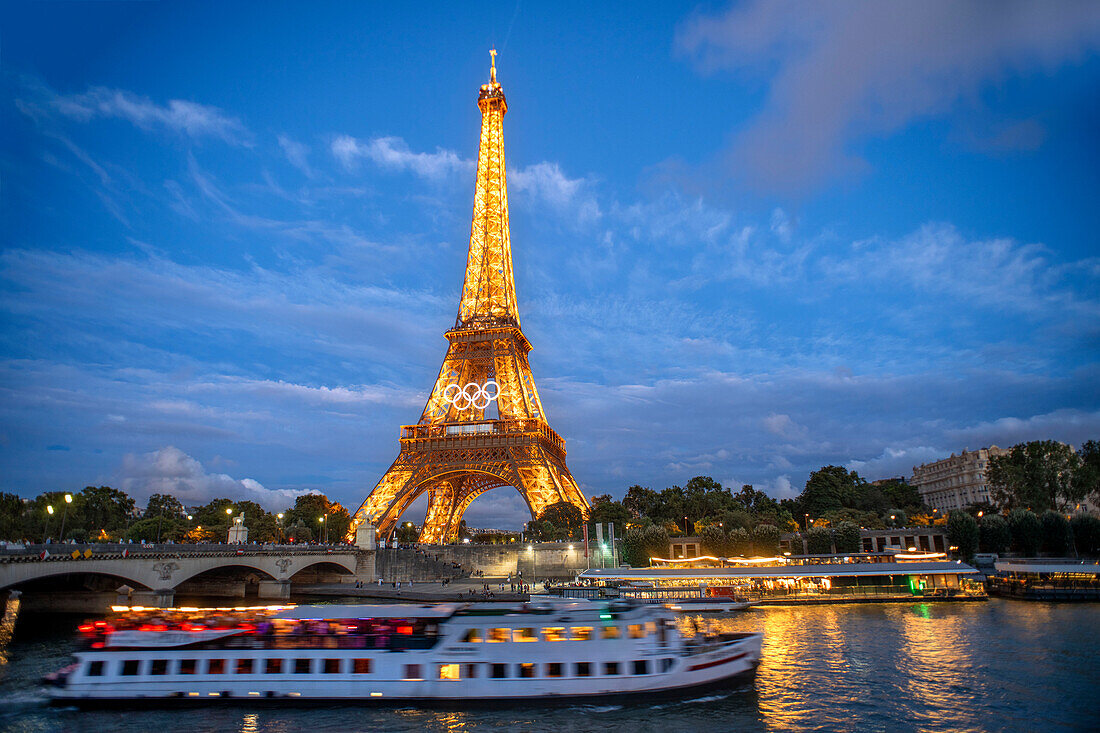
pixel 457 451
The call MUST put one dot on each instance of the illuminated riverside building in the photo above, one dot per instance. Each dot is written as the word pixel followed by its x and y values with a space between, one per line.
pixel 955 482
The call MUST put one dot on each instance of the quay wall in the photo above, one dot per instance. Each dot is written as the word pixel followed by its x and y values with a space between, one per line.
pixel 435 562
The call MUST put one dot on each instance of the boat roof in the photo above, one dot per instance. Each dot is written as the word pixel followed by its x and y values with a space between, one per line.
pixel 1025 566
pixel 393 610
pixel 833 570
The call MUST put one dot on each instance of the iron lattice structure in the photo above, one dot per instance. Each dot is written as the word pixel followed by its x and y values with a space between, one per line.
pixel 455 452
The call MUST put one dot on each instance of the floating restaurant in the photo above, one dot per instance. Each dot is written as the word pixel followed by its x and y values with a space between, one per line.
pixel 1045 580
pixel 781 581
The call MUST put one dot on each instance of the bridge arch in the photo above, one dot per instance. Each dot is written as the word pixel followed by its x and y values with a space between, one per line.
pixel 28 581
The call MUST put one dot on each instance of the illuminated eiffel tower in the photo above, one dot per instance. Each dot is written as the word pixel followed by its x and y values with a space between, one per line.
pixel 456 452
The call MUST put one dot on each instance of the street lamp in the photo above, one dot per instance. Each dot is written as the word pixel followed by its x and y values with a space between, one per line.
pixel 324 524
pixel 686 532
pixel 279 526
pixel 806 524
pixel 46 528
pixel 229 510
pixel 68 500
pixel 891 520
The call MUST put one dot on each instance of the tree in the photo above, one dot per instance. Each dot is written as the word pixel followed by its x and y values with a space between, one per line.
pixel 899 493
pixel 897 518
pixel 601 499
pixel 407 533
pixel 830 487
pixel 765 539
pixel 610 511
pixel 1057 535
pixel 740 542
pixel 1026 531
pixel 105 508
pixel 299 533
pixel 1086 534
pixel 1087 477
pixel 819 541
pixel 656 542
pixel 641 502
pixel 163 505
pixel 308 510
pixel 714 541
pixel 12 522
pixel 563 516
pixel 157 529
pixel 847 538
pixel 1038 475
pixel 993 533
pixel 962 533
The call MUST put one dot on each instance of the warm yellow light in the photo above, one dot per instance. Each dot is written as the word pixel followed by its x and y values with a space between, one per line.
pixel 229 510
pixel 68 498
pixel 49 508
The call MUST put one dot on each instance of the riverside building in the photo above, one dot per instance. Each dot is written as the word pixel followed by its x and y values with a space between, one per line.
pixel 955 482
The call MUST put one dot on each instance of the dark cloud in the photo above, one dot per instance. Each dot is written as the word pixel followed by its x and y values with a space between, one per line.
pixel 840 72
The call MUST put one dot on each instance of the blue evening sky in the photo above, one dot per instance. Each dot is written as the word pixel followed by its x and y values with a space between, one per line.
pixel 750 239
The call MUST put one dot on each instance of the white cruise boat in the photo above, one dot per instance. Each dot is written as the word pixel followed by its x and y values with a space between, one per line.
pixel 447 653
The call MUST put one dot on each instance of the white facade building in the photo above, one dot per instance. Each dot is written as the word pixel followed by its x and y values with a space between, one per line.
pixel 955 482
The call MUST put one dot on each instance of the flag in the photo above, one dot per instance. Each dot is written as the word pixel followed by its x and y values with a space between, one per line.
pixel 43 555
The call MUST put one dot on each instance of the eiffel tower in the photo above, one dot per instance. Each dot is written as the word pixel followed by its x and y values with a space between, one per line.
pixel 456 452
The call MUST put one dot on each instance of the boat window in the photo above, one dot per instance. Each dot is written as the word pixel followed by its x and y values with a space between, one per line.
pixel 641 666
pixel 553 633
pixel 553 669
pixel 273 666
pixel 332 666
pixel 448 672
pixel 361 666
pixel 637 631
pixel 244 666
pixel 215 666
pixel 580 633
pixel 524 635
pixel 650 628
pixel 496 635
pixel 95 669
pixel 412 671
pixel 159 666
pixel 301 666
pixel 187 666
pixel 584 669
pixel 130 666
pixel 610 667
pixel 526 670
pixel 499 671
pixel 666 665
pixel 611 632
pixel 473 636
pixel 471 670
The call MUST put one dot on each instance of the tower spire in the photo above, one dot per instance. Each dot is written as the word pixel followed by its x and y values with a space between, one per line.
pixel 489 290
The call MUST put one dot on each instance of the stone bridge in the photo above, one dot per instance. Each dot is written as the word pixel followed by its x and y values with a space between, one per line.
pixel 157 572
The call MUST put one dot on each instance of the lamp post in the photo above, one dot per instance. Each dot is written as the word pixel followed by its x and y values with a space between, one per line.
pixel 806 521
pixel 46 528
pixel 324 526
pixel 686 531
pixel 279 527
pixel 68 500
pixel 891 521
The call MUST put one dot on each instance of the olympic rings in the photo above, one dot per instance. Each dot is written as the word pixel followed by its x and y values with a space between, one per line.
pixel 472 395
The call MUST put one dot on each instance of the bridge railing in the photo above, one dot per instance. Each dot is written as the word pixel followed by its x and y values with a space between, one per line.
pixel 63 551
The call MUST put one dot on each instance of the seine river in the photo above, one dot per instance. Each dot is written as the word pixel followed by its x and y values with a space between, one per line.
pixel 1001 665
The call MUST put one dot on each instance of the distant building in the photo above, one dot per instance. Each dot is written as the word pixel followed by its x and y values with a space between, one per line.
pixel 955 482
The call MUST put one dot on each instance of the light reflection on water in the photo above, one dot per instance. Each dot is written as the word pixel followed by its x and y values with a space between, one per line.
pixel 1001 665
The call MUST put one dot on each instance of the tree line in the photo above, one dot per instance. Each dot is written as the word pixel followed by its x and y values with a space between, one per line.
pixel 105 514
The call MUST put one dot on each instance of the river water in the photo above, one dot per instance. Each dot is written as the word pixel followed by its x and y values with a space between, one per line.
pixel 1001 665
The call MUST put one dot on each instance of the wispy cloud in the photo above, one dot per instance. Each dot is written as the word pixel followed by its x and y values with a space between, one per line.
pixel 297 153
pixel 177 115
pixel 394 154
pixel 841 71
